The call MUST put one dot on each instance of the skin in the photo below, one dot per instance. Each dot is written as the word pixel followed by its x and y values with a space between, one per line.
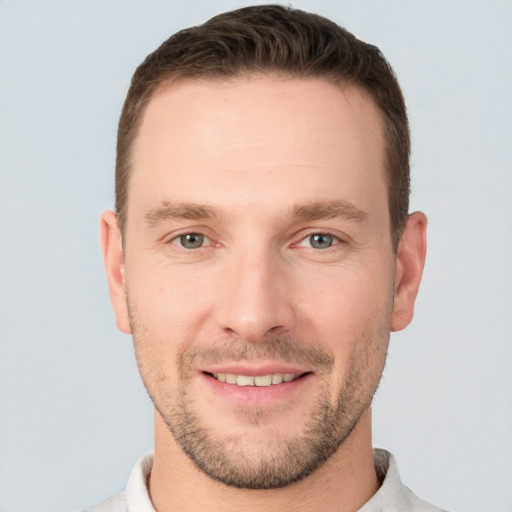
pixel 257 165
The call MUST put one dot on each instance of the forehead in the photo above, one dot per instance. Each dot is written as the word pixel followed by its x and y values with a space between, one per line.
pixel 302 138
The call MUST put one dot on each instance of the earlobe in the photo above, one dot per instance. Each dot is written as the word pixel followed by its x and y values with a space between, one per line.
pixel 410 260
pixel 113 258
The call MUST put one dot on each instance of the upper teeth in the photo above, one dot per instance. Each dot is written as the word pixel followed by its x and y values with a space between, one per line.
pixel 261 380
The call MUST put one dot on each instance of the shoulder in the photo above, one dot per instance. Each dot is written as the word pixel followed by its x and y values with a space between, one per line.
pixel 393 494
pixel 116 503
pixel 136 495
pixel 411 502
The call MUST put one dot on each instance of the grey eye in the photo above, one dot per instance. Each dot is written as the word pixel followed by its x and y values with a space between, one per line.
pixel 321 241
pixel 192 240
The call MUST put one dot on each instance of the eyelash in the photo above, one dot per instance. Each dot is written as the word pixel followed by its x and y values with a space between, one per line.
pixel 178 240
pixel 335 240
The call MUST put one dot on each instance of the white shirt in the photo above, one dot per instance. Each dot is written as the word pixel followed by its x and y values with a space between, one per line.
pixel 393 495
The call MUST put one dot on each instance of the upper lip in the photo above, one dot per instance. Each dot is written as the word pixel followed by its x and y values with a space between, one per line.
pixel 255 368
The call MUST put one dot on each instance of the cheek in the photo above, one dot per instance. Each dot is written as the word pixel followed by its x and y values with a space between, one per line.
pixel 346 296
pixel 169 298
pixel 350 312
pixel 353 322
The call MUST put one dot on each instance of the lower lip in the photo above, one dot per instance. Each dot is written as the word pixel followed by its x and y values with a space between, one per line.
pixel 255 395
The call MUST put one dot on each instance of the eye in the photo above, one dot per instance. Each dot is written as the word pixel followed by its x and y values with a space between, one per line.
pixel 319 241
pixel 191 240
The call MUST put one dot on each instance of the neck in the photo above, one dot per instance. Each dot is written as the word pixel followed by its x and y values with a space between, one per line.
pixel 344 482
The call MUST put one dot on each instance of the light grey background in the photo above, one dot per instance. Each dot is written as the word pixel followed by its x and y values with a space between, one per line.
pixel 73 414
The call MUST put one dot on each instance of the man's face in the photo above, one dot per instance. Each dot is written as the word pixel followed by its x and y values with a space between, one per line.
pixel 259 270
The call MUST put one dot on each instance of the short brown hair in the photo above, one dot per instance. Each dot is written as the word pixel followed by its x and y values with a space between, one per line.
pixel 269 39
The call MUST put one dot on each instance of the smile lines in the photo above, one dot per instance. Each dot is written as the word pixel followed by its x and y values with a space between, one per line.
pixel 260 380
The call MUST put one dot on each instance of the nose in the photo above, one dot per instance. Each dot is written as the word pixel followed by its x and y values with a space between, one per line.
pixel 256 298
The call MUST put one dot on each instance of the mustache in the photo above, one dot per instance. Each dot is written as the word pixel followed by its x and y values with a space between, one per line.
pixel 280 348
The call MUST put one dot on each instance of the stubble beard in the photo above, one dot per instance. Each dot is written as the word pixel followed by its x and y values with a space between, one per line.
pixel 279 462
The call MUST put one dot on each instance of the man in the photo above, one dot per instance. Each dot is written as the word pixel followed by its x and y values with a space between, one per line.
pixel 260 254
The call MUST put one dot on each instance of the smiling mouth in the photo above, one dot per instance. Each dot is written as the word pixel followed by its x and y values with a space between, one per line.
pixel 271 379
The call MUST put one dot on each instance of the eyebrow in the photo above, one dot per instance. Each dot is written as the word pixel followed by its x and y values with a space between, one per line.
pixel 185 211
pixel 315 210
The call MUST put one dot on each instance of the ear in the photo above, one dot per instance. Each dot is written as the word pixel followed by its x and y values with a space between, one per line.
pixel 113 257
pixel 410 260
